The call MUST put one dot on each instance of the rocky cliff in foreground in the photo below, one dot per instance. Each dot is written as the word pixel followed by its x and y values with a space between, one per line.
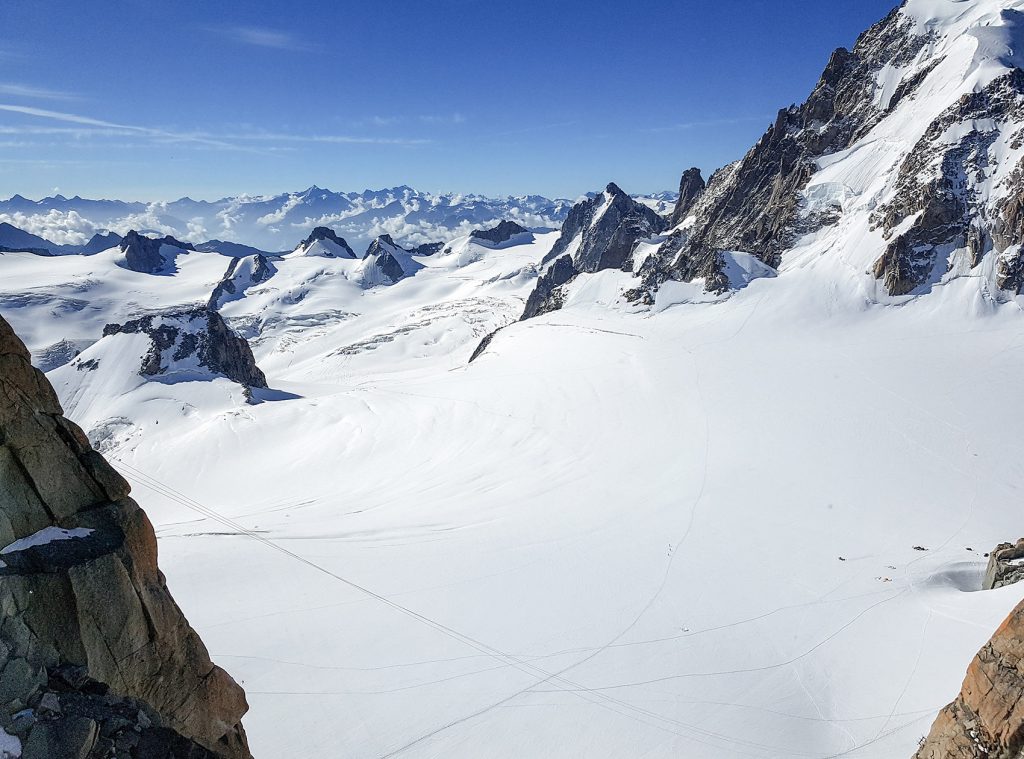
pixel 987 718
pixel 96 659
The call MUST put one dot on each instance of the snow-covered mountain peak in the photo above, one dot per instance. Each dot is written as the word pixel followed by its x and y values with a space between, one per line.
pixel 324 241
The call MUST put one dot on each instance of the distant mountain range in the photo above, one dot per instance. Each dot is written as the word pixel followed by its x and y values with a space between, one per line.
pixel 277 222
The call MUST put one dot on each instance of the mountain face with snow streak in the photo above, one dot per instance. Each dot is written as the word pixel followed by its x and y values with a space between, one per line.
pixel 599 233
pixel 908 151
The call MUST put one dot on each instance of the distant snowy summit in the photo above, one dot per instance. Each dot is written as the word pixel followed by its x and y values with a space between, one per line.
pixel 272 222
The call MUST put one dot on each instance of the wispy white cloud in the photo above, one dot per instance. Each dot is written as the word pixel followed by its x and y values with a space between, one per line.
pixel 262 37
pixel 265 142
pixel 684 125
pixel 88 121
pixel 453 118
pixel 537 128
pixel 15 89
pixel 338 139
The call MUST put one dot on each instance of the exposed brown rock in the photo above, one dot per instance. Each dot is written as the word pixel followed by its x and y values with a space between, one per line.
pixel 88 622
pixel 1005 565
pixel 987 718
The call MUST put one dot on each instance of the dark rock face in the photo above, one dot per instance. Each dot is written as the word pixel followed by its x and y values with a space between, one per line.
pixel 947 206
pixel 102 241
pixel 382 255
pixel 690 187
pixel 752 205
pixel 96 659
pixel 326 233
pixel 608 227
pixel 987 718
pixel 503 232
pixel 426 249
pixel 1005 565
pixel 196 336
pixel 258 269
pixel 142 254
pixel 609 224
pixel 546 296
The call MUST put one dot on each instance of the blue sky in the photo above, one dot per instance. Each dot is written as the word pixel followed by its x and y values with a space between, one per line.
pixel 141 99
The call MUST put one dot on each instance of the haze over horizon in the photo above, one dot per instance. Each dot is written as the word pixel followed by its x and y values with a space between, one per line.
pixel 190 99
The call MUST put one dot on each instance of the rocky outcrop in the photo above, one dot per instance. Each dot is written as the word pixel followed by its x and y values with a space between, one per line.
pixel 503 232
pixel 149 255
pixel 1005 565
pixel 241 274
pixel 426 249
pixel 547 294
pixel 934 186
pixel 96 659
pixel 386 261
pixel 690 188
pixel 986 721
pixel 331 245
pixel 190 341
pixel 599 233
pixel 753 205
pixel 608 227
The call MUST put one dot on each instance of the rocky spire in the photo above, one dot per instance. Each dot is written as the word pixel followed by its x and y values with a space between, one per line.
pixel 94 652
pixel 601 232
pixel 690 187
pixel 384 254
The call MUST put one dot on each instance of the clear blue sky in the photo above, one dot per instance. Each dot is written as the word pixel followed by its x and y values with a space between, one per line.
pixel 152 100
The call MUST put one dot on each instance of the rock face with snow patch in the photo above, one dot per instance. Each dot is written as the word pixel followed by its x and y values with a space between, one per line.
pixel 386 262
pixel 1005 565
pixel 150 256
pixel 987 719
pixel 192 340
pixel 599 233
pixel 242 273
pixel 935 187
pixel 949 193
pixel 503 232
pixel 323 241
pixel 95 656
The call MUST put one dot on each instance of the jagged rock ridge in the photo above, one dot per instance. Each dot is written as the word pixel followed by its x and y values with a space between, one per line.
pixel 148 255
pixel 948 193
pixel 97 660
pixel 503 232
pixel 190 340
pixel 599 233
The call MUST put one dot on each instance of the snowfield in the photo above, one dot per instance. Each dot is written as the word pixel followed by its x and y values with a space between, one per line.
pixel 688 531
pixel 749 523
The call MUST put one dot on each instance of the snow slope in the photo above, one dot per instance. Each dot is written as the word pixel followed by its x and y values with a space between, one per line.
pixel 683 531
pixel 729 524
